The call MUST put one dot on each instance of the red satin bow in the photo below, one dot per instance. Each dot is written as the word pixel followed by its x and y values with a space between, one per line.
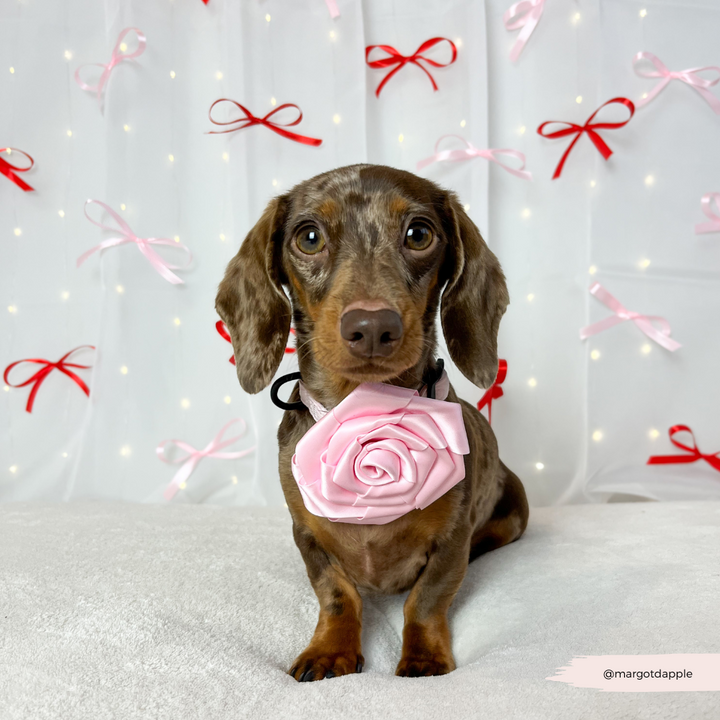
pixel 694 456
pixel 494 391
pixel 401 60
pixel 590 129
pixel 250 119
pixel 38 378
pixel 220 327
pixel 7 169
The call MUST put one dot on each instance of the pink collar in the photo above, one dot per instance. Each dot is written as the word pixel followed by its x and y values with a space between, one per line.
pixel 382 452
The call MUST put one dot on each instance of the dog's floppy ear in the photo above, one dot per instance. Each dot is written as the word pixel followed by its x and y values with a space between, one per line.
pixel 474 298
pixel 252 303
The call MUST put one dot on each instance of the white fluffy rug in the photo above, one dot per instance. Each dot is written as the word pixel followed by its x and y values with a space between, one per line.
pixel 136 611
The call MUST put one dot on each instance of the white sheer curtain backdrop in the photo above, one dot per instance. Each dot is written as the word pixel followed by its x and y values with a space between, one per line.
pixel 578 419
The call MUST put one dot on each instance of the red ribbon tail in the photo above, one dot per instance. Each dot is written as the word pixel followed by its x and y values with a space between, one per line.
pixel 599 143
pixel 6 170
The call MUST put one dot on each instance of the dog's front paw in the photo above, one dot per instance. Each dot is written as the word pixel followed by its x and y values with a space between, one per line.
pixel 316 663
pixel 421 665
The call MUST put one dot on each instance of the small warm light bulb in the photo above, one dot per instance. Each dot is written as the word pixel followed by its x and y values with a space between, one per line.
pixel 522 130
pixel 597 436
pixel 123 47
pixel 65 295
pixel 532 382
pixel 274 183
pixel 120 289
pixel 644 96
pixel 218 75
pixel 122 206
pixel 592 269
pixel 273 101
pixel 172 74
pixel 6 388
pixel 125 450
pixel 234 479
pixel 653 434
pixel 332 35
pixel 18 232
pixel 177 238
pixel 578 99
pixel 539 465
pixel 13 468
pixel 401 137
pixel 126 128
pixel 68 55
pixel 462 123
pixel 526 213
pixel 530 297
pixel 649 180
pixel 124 370
pixel 268 18
pixel 69 133
pixel 228 399
pixel 222 236
pixel 643 12
pixel 592 183
pixel 185 403
pixel 225 157
pixel 458 42
pixel 171 158
pixel 64 454
pixel 177 321
pixel 595 354
pixel 182 485
pixel 336 119
pixel 645 263
pixel 12 308
pixel 12 70
pixel 466 208
pixel 646 349
pixel 61 213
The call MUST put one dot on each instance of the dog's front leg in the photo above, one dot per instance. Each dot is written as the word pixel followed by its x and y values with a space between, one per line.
pixel 335 648
pixel 426 634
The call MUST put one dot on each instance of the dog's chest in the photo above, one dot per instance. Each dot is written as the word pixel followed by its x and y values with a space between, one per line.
pixel 375 558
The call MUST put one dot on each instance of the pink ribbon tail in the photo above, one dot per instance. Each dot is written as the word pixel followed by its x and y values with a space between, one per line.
pixel 643 322
pixel 193 457
pixel 714 224
pixel 333 8
pixel 526 15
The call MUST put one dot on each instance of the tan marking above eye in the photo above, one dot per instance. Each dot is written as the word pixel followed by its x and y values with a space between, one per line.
pixel 310 240
pixel 418 236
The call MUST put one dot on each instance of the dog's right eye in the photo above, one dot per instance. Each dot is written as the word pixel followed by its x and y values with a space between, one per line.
pixel 310 241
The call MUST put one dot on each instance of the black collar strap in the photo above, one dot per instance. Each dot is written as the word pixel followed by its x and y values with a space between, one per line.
pixel 432 377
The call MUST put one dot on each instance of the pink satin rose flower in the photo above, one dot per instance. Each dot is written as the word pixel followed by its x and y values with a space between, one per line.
pixel 382 452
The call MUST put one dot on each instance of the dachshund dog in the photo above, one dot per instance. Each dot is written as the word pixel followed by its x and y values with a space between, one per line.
pixel 366 254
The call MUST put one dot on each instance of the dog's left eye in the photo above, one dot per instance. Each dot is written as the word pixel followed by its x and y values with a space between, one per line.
pixel 418 237
pixel 310 241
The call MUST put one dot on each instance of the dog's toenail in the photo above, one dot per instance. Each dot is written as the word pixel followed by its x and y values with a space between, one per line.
pixel 358 667
pixel 307 676
pixel 329 674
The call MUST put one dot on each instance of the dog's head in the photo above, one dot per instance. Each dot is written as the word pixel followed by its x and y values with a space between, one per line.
pixel 366 253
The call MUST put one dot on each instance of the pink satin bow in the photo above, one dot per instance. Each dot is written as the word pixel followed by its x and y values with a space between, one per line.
pixel 525 14
pixel 143 244
pixel 38 378
pixel 661 337
pixel 470 151
pixel 116 58
pixel 695 454
pixel 381 453
pixel 714 224
pixel 194 456
pixel 10 171
pixel 688 76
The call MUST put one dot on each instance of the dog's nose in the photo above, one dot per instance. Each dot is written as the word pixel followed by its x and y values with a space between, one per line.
pixel 371 333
